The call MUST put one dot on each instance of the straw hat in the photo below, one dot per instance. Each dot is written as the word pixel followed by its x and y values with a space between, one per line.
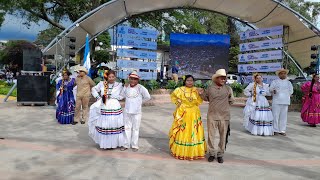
pixel 134 74
pixel 282 70
pixel 81 68
pixel 219 73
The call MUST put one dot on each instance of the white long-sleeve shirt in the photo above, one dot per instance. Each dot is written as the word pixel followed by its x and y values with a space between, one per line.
pixel 283 89
pixel 135 96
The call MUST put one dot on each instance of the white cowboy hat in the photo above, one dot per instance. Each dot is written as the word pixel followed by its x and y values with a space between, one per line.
pixel 219 73
pixel 134 74
pixel 282 70
pixel 81 68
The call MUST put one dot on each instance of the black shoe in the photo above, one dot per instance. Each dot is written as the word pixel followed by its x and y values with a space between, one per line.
pixel 220 159
pixel 313 125
pixel 82 122
pixel 74 123
pixel 211 158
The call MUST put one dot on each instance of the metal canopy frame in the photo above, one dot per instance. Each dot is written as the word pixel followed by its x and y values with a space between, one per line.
pixel 128 16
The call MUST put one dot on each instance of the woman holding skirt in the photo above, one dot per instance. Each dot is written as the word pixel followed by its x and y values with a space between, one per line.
pixel 310 112
pixel 187 141
pixel 106 126
pixel 65 99
pixel 258 116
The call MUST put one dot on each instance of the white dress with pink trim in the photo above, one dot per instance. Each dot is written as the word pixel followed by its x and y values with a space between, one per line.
pixel 106 126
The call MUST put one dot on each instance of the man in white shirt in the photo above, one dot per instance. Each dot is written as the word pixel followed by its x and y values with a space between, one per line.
pixel 135 94
pixel 281 89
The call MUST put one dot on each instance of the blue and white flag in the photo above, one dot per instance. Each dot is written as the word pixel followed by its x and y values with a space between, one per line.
pixel 86 57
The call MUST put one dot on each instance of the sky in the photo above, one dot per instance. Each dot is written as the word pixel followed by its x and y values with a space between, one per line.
pixel 13 28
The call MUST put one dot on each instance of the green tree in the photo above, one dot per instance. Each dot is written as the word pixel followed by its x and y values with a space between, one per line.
pixel 105 39
pixel 53 12
pixel 101 56
pixel 46 36
pixel 13 53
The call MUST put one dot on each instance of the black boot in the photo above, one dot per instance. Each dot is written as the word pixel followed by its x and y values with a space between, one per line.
pixel 211 158
pixel 74 123
pixel 220 159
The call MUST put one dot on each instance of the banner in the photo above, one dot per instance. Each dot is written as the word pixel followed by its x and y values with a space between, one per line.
pixel 266 79
pixel 143 75
pixel 266 67
pixel 126 30
pixel 136 54
pixel 136 64
pixel 267 44
pixel 260 56
pixel 125 41
pixel 263 32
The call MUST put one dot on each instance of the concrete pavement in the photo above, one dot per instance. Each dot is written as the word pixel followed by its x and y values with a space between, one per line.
pixel 37 147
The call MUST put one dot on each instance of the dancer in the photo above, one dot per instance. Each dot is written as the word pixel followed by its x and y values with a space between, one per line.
pixel 135 94
pixel 84 84
pixel 220 97
pixel 65 99
pixel 106 125
pixel 281 89
pixel 257 113
pixel 310 112
pixel 187 141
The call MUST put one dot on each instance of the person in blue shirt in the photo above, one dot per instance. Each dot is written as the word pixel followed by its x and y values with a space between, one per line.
pixel 175 71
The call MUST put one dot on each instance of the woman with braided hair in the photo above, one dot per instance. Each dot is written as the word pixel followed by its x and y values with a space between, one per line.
pixel 310 111
pixel 257 113
pixel 65 99
pixel 106 126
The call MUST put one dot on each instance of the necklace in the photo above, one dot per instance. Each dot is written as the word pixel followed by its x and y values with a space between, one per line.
pixel 190 98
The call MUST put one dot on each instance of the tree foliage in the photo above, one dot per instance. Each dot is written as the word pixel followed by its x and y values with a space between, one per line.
pixel 105 39
pixel 46 36
pixel 13 53
pixel 101 56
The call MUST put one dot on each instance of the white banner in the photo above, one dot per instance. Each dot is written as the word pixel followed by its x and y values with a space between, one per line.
pixel 125 30
pixel 143 75
pixel 136 64
pixel 266 79
pixel 266 67
pixel 125 41
pixel 267 44
pixel 260 56
pixel 136 54
pixel 263 32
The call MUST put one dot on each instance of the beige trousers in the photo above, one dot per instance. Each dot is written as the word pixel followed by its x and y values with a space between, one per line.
pixel 213 127
pixel 84 102
pixel 175 77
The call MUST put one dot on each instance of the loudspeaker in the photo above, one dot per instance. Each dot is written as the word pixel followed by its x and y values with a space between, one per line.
pixel 33 89
pixel 32 60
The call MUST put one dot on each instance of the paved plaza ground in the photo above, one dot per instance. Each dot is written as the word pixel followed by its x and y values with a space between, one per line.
pixel 37 147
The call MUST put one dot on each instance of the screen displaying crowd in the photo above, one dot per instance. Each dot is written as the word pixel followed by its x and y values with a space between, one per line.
pixel 199 54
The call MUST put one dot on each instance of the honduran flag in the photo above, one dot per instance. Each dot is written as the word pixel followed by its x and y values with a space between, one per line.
pixel 86 57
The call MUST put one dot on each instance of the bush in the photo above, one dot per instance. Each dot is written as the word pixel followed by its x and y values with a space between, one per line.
pixel 198 84
pixel 297 94
pixel 237 89
pixel 171 84
pixel 207 84
pixel 152 85
pixel 4 90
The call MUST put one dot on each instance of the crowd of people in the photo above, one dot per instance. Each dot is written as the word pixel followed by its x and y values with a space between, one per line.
pixel 111 126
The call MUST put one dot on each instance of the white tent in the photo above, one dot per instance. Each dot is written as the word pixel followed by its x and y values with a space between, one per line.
pixel 260 13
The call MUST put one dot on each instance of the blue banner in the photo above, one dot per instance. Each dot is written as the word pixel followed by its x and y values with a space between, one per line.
pixel 126 30
pixel 136 64
pixel 136 54
pixel 125 41
pixel 143 75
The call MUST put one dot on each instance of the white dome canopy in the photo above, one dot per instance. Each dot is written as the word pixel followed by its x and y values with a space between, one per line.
pixel 260 13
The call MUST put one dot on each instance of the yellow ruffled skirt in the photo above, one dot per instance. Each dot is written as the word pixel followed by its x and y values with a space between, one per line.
pixel 187 141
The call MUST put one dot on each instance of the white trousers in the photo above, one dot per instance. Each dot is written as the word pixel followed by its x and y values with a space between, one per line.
pixel 131 125
pixel 280 117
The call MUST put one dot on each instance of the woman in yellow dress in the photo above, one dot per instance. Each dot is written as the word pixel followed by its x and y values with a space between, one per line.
pixel 187 141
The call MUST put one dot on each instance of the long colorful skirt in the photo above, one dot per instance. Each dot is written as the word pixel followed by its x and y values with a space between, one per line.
pixel 106 126
pixel 310 111
pixel 187 141
pixel 65 109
